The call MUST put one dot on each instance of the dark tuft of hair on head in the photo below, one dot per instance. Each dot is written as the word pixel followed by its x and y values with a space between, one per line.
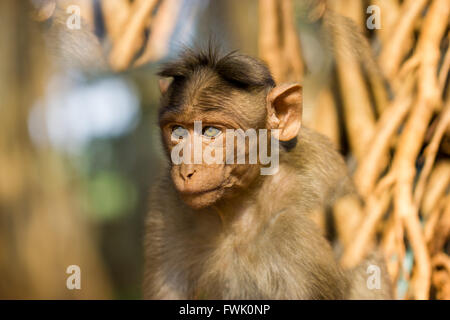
pixel 238 69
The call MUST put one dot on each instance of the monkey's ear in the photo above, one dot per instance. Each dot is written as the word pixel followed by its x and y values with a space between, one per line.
pixel 164 84
pixel 284 106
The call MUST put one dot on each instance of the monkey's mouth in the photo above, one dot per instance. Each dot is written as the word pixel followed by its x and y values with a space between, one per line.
pixel 199 192
pixel 201 198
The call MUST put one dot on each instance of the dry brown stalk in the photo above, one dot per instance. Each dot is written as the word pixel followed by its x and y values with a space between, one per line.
pixel 393 246
pixel 431 151
pixel 443 73
pixel 279 44
pixel 162 27
pixel 433 218
pixel 436 187
pixel 411 139
pixel 291 44
pixel 359 117
pixel 390 10
pixel 374 210
pixel 380 92
pixel 372 164
pixel 347 213
pixel 408 68
pixel 115 14
pixel 442 231
pixel 358 113
pixel 128 41
pixel 270 49
pixel 396 45
pixel 325 119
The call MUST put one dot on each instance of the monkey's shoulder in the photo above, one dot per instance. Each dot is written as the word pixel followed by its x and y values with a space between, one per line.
pixel 312 150
pixel 317 166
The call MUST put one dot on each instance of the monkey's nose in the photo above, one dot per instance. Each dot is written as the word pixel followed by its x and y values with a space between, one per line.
pixel 187 172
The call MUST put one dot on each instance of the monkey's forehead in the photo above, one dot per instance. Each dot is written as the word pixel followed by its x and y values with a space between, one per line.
pixel 189 114
pixel 215 105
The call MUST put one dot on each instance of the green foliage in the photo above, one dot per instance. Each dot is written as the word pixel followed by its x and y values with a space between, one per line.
pixel 109 195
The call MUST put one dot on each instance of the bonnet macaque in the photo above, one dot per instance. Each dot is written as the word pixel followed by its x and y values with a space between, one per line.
pixel 233 229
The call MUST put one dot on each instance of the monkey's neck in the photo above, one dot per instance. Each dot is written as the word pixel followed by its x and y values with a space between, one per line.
pixel 244 209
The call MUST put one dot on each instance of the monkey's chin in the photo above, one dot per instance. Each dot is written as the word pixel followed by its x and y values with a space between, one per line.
pixel 201 200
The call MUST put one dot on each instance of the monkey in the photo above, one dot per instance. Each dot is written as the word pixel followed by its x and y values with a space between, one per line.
pixel 224 230
pixel 77 48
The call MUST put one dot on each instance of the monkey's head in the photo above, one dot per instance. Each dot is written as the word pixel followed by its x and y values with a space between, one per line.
pixel 205 100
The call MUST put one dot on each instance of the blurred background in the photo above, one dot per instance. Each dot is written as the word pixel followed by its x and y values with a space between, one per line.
pixel 80 146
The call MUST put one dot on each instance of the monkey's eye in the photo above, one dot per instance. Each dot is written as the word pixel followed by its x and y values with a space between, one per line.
pixel 179 132
pixel 211 132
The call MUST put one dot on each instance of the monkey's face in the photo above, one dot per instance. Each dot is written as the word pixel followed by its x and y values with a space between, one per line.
pixel 204 168
pixel 212 129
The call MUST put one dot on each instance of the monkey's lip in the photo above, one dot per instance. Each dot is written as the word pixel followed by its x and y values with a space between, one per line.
pixel 198 192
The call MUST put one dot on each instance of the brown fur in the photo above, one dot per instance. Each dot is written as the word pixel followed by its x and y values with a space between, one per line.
pixel 253 237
